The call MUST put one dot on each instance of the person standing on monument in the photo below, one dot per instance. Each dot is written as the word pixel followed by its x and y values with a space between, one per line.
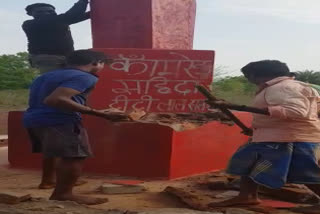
pixel 49 36
pixel 53 120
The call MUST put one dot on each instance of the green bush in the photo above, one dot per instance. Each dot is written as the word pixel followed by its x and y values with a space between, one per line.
pixel 11 100
pixel 15 71
pixel 234 89
pixel 308 76
pixel 16 75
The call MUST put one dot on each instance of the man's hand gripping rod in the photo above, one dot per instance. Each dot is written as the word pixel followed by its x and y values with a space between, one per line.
pixel 210 97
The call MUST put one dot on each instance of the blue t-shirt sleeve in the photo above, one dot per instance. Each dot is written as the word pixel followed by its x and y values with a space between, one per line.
pixel 80 82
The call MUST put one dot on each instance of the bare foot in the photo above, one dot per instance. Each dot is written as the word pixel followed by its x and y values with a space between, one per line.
pixel 307 210
pixel 51 185
pixel 80 199
pixel 237 201
pixel 44 185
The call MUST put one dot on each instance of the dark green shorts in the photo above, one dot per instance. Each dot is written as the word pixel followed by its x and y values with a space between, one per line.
pixel 63 141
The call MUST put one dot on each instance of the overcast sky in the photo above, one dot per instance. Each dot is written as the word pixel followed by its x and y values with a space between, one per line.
pixel 239 31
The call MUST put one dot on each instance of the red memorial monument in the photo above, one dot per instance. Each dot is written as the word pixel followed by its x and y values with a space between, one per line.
pixel 154 68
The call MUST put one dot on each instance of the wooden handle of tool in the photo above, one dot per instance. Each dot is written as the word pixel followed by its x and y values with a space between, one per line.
pixel 210 97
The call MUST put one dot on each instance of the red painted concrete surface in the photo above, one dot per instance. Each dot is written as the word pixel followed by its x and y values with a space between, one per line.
pixel 173 23
pixel 121 23
pixel 205 149
pixel 154 80
pixel 160 24
pixel 141 150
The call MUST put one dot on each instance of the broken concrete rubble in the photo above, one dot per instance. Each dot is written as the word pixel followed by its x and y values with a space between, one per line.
pixel 188 198
pixel 146 202
pixel 177 121
pixel 109 188
pixel 291 193
pixel 227 194
pixel 199 195
pixel 50 207
pixel 137 115
pixel 200 202
pixel 217 183
pixel 13 197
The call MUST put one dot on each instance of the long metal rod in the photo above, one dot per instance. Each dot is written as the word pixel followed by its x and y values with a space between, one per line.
pixel 227 112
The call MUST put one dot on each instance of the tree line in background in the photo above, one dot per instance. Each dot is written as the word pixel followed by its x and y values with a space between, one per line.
pixel 237 89
pixel 16 73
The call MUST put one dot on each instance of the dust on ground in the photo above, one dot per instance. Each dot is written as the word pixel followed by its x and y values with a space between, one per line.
pixel 153 199
pixel 13 180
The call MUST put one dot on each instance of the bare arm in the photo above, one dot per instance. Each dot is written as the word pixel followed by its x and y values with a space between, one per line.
pixel 61 98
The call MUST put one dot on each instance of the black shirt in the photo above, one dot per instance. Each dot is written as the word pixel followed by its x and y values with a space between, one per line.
pixel 51 34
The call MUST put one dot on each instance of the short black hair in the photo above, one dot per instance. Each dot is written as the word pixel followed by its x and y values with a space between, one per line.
pixel 266 68
pixel 85 57
pixel 31 7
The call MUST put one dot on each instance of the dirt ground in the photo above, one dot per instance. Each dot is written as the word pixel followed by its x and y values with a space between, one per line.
pixel 148 202
pixel 14 180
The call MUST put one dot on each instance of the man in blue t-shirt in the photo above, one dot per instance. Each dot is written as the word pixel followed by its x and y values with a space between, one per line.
pixel 53 119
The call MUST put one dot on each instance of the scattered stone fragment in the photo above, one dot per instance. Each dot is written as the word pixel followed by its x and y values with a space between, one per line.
pixel 184 121
pixel 225 175
pixel 176 121
pixel 218 183
pixel 58 206
pixel 200 202
pixel 124 182
pixel 121 189
pixel 13 197
pixel 38 199
pixel 137 115
pixel 192 200
pixel 290 193
pixel 228 194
